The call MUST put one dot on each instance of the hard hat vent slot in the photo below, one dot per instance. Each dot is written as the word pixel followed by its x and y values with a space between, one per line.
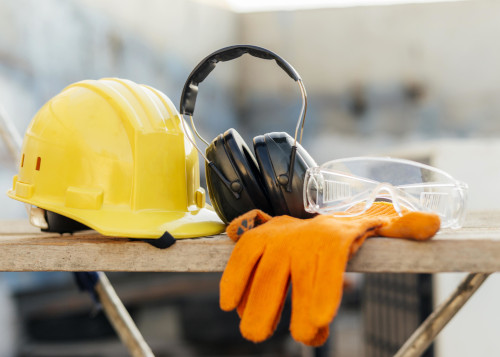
pixel 38 162
pixel 22 161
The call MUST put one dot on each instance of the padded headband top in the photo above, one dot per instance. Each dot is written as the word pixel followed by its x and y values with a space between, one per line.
pixel 203 69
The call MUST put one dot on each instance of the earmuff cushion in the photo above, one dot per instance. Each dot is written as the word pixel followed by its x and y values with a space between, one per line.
pixel 273 153
pixel 247 170
pixel 221 197
pixel 270 171
pixel 231 156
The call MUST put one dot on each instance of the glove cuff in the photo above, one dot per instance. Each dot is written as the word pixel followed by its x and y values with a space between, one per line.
pixel 246 221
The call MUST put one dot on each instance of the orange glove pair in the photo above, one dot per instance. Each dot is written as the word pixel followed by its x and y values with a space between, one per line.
pixel 311 254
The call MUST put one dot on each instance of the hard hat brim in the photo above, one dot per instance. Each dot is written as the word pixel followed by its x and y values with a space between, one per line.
pixel 122 222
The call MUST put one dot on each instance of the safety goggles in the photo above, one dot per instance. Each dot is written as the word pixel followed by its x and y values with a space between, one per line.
pixel 355 183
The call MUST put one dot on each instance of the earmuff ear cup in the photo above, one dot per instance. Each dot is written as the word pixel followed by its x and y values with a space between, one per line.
pixel 273 153
pixel 231 156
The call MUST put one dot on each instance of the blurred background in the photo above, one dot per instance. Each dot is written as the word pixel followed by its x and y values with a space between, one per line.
pixel 414 79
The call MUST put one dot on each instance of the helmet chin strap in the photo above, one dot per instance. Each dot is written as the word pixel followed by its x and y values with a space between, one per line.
pixel 165 241
pixel 38 219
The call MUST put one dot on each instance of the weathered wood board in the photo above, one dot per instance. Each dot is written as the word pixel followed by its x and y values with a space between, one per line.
pixel 474 248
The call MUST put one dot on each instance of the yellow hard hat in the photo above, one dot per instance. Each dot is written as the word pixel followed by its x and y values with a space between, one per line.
pixel 113 155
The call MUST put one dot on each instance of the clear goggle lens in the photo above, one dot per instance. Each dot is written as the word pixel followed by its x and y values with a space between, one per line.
pixel 340 185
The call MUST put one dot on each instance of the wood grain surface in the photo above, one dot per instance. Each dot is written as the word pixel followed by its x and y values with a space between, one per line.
pixel 474 248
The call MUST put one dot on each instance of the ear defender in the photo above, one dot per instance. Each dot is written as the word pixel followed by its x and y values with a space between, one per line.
pixel 285 190
pixel 238 181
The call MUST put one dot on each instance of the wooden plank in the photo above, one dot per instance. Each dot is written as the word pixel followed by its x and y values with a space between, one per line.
pixel 475 248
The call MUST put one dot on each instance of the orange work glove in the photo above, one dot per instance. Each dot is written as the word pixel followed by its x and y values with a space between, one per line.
pixel 312 254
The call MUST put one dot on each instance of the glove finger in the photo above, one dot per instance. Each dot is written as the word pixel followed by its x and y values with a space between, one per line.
pixel 245 255
pixel 328 286
pixel 266 296
pixel 241 307
pixel 414 225
pixel 246 293
pixel 303 271
pixel 282 305
pixel 319 338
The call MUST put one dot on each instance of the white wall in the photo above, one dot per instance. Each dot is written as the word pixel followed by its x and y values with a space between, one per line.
pixel 379 55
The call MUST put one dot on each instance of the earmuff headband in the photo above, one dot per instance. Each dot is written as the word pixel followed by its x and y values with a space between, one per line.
pixel 203 69
pixel 207 65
